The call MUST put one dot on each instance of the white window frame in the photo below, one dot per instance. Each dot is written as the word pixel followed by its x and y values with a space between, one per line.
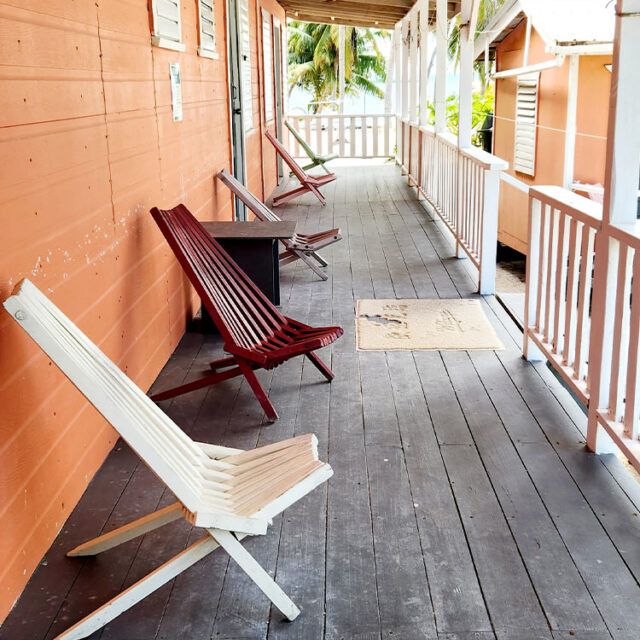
pixel 206 50
pixel 267 67
pixel 526 123
pixel 166 10
pixel 245 66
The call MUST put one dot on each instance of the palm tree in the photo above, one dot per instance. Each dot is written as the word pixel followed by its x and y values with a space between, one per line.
pixel 313 61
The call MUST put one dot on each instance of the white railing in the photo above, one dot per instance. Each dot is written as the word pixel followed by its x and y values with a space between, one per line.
pixel 348 136
pixel 582 310
pixel 562 233
pixel 615 345
pixel 462 186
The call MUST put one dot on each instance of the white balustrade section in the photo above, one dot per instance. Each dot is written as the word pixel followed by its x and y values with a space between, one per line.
pixel 346 135
pixel 562 236
pixel 462 186
pixel 619 389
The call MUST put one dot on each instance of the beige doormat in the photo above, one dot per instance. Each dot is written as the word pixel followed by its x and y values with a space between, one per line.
pixel 412 325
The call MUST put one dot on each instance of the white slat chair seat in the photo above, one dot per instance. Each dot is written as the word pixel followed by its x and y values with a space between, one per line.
pixel 218 488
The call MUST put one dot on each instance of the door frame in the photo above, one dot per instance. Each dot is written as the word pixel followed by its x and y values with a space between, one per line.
pixel 277 76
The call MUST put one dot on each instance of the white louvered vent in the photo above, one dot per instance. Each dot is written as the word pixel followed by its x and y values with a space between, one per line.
pixel 207 26
pixel 166 24
pixel 524 157
pixel 267 63
pixel 247 97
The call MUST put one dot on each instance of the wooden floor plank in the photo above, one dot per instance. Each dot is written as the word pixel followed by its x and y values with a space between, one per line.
pixel 463 505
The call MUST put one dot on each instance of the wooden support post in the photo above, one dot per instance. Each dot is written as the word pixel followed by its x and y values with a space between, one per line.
pixel 466 74
pixel 530 348
pixel 424 62
pixel 489 231
pixel 441 67
pixel 570 128
pixel 413 67
pixel 405 69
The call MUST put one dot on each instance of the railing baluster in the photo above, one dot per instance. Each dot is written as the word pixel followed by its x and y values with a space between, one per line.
pixel 632 388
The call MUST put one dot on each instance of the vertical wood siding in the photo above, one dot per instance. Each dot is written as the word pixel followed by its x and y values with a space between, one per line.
pixel 87 146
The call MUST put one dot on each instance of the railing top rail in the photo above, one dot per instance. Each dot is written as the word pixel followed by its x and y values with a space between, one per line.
pixel 447 138
pixel 311 116
pixel 487 160
pixel 628 234
pixel 587 211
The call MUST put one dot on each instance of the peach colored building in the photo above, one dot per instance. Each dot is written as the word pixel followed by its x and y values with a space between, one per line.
pixel 88 143
pixel 550 119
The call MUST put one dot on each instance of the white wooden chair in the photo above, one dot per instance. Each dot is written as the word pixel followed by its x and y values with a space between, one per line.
pixel 231 493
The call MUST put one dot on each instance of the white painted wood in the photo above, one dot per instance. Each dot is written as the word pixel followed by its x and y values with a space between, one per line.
pixel 571 121
pixel 397 76
pixel 217 487
pixel 341 68
pixel 129 531
pixel 527 43
pixel 245 66
pixel 167 28
pixel 441 66
pixel 140 589
pixel 251 567
pixel 532 68
pixel 524 155
pixel 413 67
pixel 531 350
pixel 405 69
pixel 466 76
pixel 424 62
pixel 489 230
pixel 206 29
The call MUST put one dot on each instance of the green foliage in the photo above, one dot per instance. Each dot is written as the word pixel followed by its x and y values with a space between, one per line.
pixel 482 106
pixel 313 61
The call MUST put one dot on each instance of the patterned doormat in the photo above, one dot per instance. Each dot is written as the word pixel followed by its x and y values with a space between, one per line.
pixel 390 325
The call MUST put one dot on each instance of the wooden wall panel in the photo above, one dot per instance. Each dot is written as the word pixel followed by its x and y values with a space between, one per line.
pixel 87 146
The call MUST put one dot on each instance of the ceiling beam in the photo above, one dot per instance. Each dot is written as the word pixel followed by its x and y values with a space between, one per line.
pixel 352 21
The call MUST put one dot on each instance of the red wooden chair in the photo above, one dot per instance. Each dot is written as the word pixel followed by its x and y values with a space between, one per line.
pixel 302 246
pixel 307 182
pixel 255 333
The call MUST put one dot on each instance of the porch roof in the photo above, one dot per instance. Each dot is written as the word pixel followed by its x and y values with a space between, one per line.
pixel 383 14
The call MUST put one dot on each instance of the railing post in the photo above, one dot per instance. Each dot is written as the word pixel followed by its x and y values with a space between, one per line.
pixel 530 348
pixel 489 231
pixel 602 320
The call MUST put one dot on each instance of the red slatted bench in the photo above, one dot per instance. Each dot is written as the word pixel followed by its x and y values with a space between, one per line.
pixel 255 333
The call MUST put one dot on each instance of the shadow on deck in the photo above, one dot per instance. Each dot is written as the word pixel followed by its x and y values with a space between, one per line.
pixel 464 505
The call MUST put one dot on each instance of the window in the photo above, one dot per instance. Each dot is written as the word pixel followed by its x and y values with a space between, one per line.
pixel 247 97
pixel 524 156
pixel 267 65
pixel 207 29
pixel 166 24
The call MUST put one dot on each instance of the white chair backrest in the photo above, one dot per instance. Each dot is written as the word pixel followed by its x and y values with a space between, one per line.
pixel 159 442
pixel 259 208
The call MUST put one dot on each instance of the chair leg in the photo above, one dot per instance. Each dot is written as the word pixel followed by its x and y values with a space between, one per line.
pixel 305 258
pixel 222 363
pixel 320 259
pixel 205 381
pixel 251 567
pixel 256 387
pixel 129 531
pixel 140 590
pixel 325 168
pixel 321 366
pixel 317 194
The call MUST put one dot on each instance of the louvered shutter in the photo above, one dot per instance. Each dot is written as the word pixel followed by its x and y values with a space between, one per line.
pixel 247 98
pixel 166 24
pixel 207 28
pixel 524 159
pixel 267 59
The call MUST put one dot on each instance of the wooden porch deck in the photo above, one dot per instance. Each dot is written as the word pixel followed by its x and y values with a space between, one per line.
pixel 463 506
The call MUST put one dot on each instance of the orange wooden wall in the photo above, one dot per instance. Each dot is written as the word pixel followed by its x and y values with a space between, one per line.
pixel 87 146
pixel 593 103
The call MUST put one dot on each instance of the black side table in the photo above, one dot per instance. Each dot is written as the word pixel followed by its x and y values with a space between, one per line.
pixel 254 247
